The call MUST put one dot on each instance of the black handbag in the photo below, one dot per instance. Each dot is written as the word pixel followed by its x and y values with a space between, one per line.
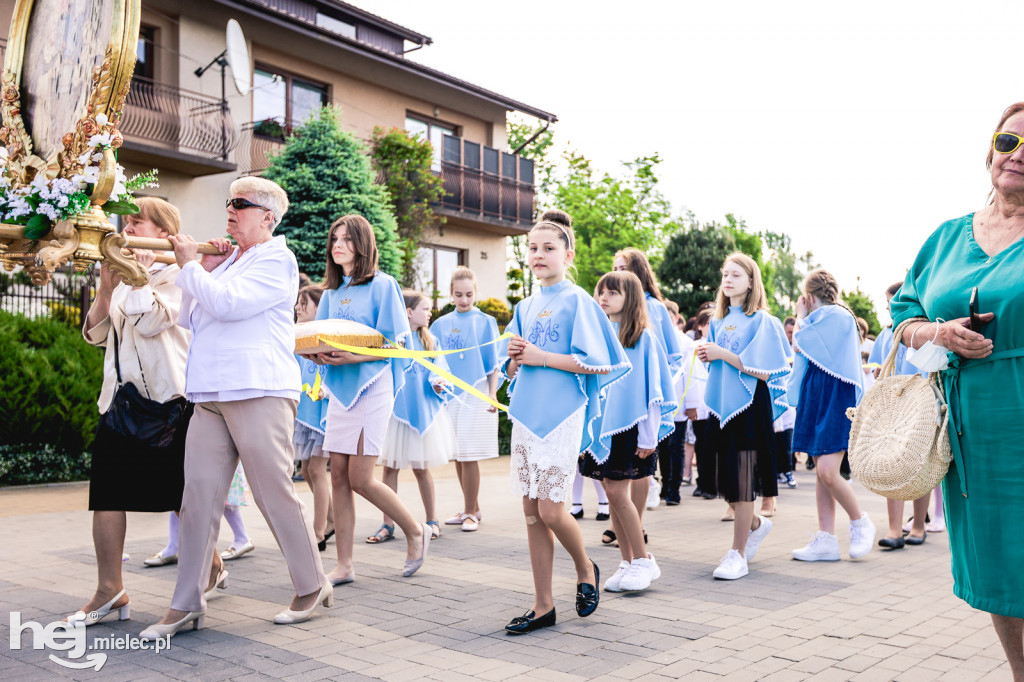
pixel 136 419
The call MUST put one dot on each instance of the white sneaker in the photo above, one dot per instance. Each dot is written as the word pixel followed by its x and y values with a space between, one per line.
pixel 822 547
pixel 613 584
pixel 652 566
pixel 653 497
pixel 637 577
pixel 755 538
pixel 862 536
pixel 733 566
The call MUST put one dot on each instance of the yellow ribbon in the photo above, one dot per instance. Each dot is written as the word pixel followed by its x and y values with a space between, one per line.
pixel 420 357
pixel 686 388
pixel 313 391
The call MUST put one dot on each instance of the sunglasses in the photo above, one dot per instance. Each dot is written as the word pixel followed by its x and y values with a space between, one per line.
pixel 239 203
pixel 1006 143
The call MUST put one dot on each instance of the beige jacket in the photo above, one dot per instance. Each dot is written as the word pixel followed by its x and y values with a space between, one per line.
pixel 151 340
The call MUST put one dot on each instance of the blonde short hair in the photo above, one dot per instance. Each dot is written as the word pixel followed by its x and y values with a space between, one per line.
pixel 159 212
pixel 266 193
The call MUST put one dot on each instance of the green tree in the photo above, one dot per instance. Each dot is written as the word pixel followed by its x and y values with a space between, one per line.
pixel 403 163
pixel 690 271
pixel 862 306
pixel 327 174
pixel 787 271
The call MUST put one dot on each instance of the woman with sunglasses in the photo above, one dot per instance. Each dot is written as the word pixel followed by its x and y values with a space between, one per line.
pixel 244 381
pixel 984 381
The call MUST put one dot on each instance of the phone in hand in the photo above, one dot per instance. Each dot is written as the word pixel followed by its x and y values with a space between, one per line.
pixel 975 323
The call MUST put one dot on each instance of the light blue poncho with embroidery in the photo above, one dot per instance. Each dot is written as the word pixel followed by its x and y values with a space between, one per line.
pixel 829 338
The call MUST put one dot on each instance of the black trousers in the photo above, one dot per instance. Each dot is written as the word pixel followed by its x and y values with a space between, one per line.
pixel 671 455
pixel 784 451
pixel 707 459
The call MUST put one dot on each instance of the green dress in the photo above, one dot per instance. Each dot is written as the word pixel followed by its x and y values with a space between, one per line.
pixel 985 485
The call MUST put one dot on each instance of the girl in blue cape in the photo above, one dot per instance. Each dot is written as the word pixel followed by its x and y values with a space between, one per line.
pixel 310 418
pixel 362 389
pixel 420 433
pixel 635 261
pixel 475 422
pixel 917 531
pixel 562 359
pixel 827 379
pixel 749 365
pixel 637 415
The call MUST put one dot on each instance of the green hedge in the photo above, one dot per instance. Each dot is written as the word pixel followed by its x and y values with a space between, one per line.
pixel 50 379
pixel 22 465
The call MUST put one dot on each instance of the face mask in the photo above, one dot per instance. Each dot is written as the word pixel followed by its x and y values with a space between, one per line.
pixel 930 357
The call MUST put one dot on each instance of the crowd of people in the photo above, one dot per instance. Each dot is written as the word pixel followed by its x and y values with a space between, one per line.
pixel 612 385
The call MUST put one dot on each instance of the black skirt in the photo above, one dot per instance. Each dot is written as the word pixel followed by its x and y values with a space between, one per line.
pixel 125 477
pixel 622 464
pixel 741 475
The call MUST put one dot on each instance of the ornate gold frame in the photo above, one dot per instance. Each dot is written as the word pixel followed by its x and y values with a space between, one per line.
pixel 86 238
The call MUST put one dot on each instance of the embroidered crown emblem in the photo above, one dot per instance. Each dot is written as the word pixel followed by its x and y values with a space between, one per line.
pixel 346 301
pixel 731 328
pixel 546 313
pixel 456 331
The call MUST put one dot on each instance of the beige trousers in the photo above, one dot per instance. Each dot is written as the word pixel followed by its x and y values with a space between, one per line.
pixel 259 432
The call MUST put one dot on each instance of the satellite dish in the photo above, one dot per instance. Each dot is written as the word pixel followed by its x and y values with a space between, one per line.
pixel 237 55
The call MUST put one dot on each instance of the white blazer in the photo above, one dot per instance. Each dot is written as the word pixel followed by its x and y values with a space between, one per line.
pixel 152 346
pixel 243 325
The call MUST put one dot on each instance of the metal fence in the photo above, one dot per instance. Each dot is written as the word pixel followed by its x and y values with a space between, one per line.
pixel 66 298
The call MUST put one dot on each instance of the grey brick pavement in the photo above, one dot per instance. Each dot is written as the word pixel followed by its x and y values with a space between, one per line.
pixel 890 616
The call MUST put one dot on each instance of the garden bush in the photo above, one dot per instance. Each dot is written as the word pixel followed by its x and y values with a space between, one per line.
pixel 26 464
pixel 50 379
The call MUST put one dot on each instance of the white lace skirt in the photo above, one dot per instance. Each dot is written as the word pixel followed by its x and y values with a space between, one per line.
pixel 405 448
pixel 544 468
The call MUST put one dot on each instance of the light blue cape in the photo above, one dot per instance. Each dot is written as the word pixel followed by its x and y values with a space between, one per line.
pixel 417 403
pixel 377 304
pixel 309 412
pixel 829 338
pixel 564 319
pixel 760 342
pixel 458 331
pixel 629 400
pixel 665 332
pixel 880 351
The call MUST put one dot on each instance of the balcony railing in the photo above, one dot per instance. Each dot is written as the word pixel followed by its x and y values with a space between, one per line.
pixel 257 141
pixel 484 182
pixel 166 116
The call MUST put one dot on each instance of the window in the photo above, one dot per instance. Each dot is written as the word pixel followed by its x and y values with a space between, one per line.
pixel 144 58
pixel 430 130
pixel 434 267
pixel 281 101
pixel 342 28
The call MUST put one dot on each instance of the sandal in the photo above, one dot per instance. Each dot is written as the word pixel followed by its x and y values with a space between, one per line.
pixel 608 537
pixel 435 529
pixel 380 537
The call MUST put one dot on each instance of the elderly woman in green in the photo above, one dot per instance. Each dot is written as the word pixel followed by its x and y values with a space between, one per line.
pixel 984 382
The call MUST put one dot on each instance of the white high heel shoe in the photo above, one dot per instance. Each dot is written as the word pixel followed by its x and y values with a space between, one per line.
pixel 158 631
pixel 289 617
pixel 221 582
pixel 95 616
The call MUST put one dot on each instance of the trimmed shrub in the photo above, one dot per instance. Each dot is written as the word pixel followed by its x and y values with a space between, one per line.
pixel 23 465
pixel 49 381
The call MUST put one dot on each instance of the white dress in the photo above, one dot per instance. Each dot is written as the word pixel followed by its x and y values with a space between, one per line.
pixel 544 468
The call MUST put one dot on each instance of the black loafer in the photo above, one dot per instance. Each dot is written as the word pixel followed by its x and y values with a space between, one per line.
pixel 891 543
pixel 911 540
pixel 587 595
pixel 577 515
pixel 672 502
pixel 709 496
pixel 528 622
pixel 697 492
pixel 602 516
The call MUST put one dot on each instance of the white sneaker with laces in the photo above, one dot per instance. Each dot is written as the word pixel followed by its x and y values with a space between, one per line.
pixel 613 584
pixel 733 566
pixel 822 547
pixel 755 538
pixel 653 497
pixel 637 577
pixel 862 536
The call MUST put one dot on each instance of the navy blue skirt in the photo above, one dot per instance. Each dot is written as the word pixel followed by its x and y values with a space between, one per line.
pixel 822 426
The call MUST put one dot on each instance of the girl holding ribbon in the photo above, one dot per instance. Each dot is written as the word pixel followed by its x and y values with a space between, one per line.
pixel 420 432
pixel 362 389
pixel 637 415
pixel 827 379
pixel 749 364
pixel 562 358
pixel 472 332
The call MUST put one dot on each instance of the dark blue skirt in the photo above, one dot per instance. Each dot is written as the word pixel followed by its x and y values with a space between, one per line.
pixel 822 426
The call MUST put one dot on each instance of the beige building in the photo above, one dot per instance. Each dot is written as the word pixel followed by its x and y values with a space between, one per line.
pixel 202 133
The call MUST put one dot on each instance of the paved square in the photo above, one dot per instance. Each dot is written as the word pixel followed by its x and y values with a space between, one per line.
pixel 890 616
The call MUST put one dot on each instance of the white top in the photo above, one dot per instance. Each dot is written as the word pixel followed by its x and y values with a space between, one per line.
pixel 151 344
pixel 698 383
pixel 243 329
pixel 647 429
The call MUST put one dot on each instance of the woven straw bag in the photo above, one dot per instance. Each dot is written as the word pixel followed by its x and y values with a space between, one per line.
pixel 899 445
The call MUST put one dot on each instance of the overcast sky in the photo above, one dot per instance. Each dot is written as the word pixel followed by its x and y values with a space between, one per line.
pixel 854 128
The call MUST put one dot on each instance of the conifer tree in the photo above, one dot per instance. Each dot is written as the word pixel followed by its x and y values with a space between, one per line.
pixel 327 174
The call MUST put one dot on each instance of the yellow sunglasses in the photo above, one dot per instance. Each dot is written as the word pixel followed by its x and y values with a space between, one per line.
pixel 1006 143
